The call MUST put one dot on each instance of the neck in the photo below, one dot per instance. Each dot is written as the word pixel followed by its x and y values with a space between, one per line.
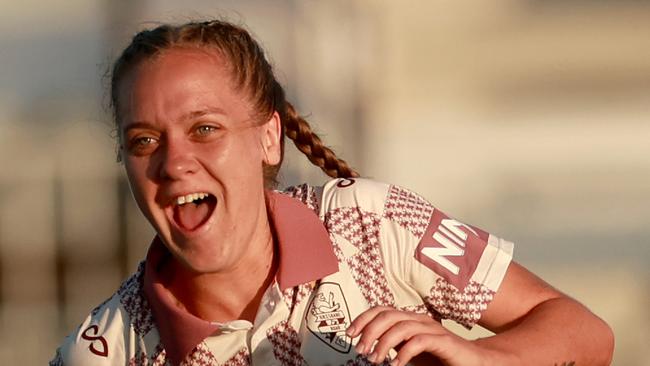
pixel 232 294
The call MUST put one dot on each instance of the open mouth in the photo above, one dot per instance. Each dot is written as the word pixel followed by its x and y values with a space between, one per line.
pixel 193 210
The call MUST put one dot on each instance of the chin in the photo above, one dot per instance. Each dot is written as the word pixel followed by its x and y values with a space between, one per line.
pixel 200 263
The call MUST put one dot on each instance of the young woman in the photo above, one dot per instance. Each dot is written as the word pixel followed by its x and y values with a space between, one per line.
pixel 354 272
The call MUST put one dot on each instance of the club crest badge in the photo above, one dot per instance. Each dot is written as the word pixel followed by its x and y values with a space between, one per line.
pixel 328 316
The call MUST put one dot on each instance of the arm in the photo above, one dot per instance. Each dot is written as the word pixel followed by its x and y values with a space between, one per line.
pixel 535 325
pixel 538 324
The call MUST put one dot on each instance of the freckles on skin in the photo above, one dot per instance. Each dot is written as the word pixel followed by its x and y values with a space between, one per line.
pixel 170 95
pixel 139 101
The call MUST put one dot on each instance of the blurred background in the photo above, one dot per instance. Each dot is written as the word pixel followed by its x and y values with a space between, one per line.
pixel 527 118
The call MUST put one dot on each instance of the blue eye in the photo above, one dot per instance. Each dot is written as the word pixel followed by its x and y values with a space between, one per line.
pixel 205 130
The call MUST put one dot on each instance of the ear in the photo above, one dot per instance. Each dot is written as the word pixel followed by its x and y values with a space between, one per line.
pixel 271 134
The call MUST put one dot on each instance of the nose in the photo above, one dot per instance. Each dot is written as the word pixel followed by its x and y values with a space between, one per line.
pixel 177 161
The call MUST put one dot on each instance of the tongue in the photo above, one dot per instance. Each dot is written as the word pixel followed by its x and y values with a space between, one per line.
pixel 191 215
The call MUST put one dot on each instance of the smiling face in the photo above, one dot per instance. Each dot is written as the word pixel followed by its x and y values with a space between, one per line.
pixel 193 153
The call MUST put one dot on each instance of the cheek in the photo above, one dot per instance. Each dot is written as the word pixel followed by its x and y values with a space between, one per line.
pixel 251 161
pixel 237 156
pixel 133 170
pixel 136 174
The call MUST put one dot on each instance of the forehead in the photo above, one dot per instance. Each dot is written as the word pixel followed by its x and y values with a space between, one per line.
pixel 179 81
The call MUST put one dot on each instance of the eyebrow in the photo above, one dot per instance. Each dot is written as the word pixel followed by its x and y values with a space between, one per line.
pixel 203 112
pixel 189 116
pixel 138 124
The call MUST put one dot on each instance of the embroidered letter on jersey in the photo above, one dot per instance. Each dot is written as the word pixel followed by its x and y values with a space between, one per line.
pixel 451 249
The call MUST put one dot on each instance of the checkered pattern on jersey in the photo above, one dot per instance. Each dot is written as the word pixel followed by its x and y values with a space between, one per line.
pixel 361 229
pixel 241 358
pixel 361 360
pixel 294 295
pixel 306 194
pixel 408 209
pixel 463 307
pixel 425 309
pixel 134 302
pixel 286 344
pixel 158 358
pixel 200 356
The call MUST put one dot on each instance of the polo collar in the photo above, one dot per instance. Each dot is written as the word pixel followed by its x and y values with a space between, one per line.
pixel 305 255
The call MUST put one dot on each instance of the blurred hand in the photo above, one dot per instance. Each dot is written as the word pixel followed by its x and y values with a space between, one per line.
pixel 412 335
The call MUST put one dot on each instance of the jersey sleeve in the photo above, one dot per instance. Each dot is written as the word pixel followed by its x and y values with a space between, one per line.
pixel 117 332
pixel 454 268
pixel 99 340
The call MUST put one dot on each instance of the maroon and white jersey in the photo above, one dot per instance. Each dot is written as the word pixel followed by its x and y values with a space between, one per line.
pixel 345 247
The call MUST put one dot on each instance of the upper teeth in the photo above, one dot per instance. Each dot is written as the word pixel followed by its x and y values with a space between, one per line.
pixel 180 200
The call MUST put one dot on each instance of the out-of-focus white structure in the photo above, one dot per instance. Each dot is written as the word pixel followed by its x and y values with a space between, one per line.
pixel 528 118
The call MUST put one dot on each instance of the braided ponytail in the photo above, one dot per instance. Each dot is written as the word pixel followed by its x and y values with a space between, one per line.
pixel 251 73
pixel 298 130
